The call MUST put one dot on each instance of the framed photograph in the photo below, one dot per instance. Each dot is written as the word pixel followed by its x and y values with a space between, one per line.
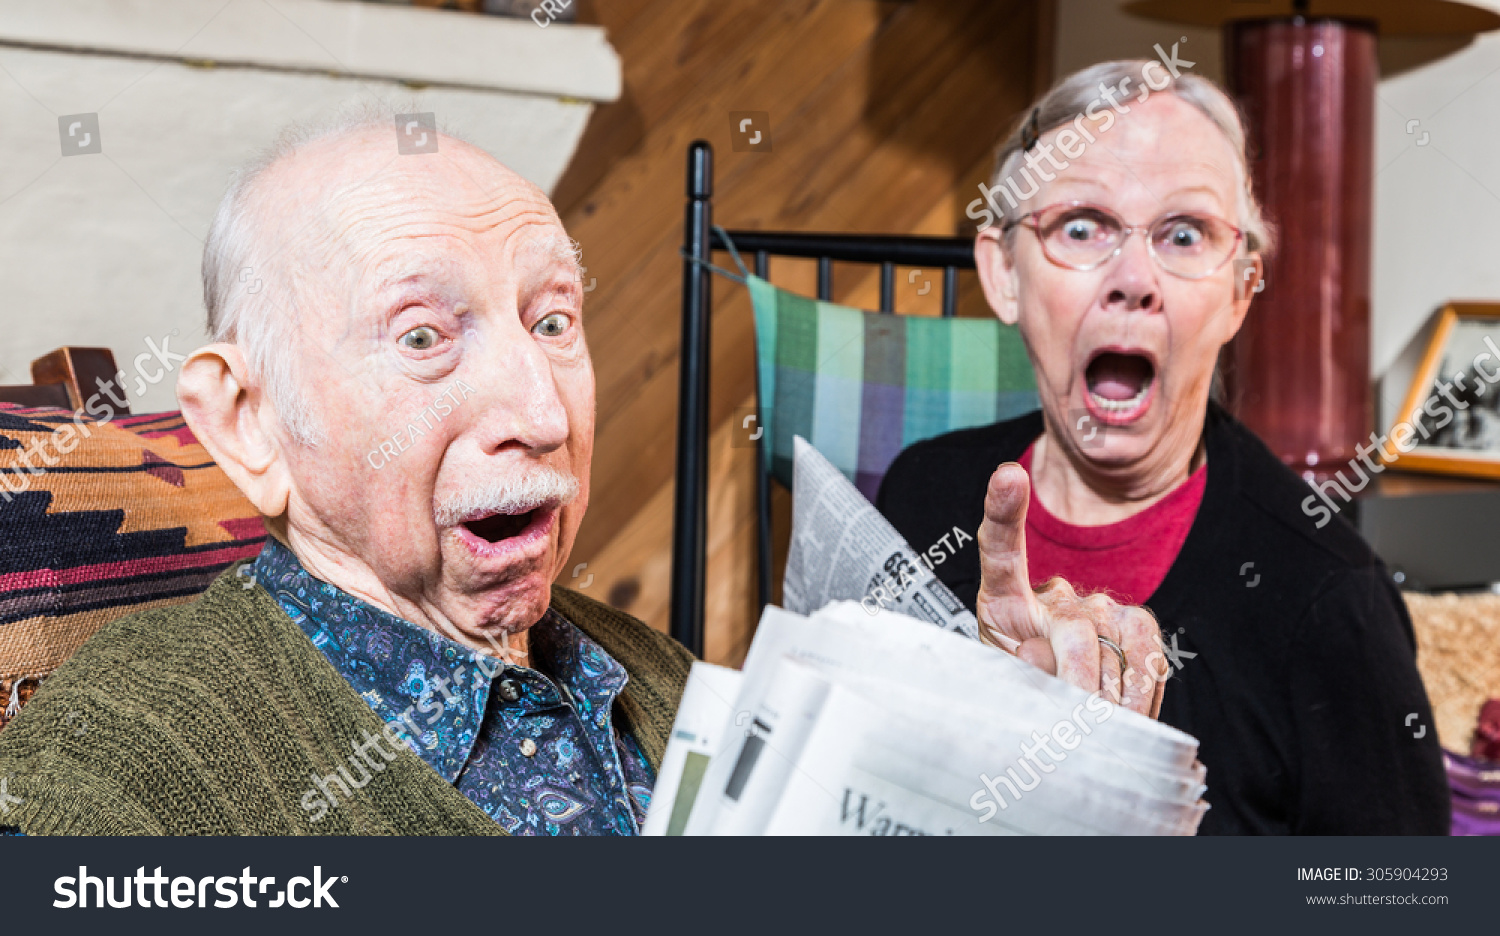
pixel 1450 422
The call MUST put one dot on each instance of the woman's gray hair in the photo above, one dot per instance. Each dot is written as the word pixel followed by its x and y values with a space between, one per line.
pixel 1071 98
pixel 250 287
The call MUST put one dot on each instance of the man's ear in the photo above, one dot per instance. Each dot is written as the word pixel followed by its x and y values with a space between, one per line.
pixel 996 274
pixel 235 423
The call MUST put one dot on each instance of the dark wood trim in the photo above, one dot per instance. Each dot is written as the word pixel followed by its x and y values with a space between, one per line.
pixel 1045 30
pixel 67 378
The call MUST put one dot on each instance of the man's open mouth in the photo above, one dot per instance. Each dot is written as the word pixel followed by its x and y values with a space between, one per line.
pixel 497 527
pixel 505 536
pixel 508 537
pixel 1119 382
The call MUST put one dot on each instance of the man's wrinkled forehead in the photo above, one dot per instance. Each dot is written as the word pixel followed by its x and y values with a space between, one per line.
pixel 340 201
pixel 434 200
pixel 531 255
pixel 354 218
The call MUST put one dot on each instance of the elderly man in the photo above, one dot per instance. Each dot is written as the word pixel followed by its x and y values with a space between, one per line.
pixel 401 387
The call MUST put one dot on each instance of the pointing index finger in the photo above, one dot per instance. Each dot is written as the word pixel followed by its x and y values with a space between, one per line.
pixel 1005 596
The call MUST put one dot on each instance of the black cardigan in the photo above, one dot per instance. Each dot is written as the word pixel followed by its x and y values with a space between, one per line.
pixel 1305 673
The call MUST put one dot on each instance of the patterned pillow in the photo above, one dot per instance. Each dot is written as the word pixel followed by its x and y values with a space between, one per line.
pixel 861 386
pixel 98 520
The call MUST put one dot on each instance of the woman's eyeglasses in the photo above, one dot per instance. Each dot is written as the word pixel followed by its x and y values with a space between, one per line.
pixel 1081 236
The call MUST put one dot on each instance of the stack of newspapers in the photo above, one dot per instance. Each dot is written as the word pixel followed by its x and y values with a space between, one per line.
pixel 865 718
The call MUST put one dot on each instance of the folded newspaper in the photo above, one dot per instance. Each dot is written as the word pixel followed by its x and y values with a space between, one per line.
pixel 843 548
pixel 863 718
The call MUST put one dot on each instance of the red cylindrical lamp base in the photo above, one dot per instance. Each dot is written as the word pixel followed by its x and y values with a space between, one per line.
pixel 1299 372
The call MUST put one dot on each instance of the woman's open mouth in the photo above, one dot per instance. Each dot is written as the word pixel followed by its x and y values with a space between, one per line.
pixel 1119 386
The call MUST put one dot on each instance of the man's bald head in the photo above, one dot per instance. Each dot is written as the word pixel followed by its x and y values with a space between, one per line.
pixel 297 222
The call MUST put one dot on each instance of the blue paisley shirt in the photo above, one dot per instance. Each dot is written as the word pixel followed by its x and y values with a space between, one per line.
pixel 535 748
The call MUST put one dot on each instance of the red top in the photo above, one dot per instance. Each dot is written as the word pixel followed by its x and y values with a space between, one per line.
pixel 1126 560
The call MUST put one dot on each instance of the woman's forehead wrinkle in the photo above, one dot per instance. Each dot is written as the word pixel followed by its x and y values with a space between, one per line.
pixel 1162 175
pixel 1164 124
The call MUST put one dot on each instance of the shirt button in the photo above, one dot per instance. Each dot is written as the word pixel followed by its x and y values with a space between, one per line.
pixel 528 747
pixel 510 690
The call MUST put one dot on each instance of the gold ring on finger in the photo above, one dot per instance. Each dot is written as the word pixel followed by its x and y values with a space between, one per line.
pixel 1119 653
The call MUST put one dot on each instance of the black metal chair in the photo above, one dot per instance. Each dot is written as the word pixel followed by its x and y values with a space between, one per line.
pixel 690 516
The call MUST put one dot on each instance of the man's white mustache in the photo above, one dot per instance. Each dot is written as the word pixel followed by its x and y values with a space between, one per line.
pixel 537 487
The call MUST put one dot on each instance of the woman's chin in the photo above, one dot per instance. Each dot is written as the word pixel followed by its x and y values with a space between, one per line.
pixel 1114 446
pixel 1114 453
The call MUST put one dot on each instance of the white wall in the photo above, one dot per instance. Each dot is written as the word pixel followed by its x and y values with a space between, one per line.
pixel 104 249
pixel 1437 206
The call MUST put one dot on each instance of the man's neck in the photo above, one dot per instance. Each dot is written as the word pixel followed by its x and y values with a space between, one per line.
pixel 338 571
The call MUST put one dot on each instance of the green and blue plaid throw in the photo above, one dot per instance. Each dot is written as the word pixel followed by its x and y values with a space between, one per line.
pixel 861 386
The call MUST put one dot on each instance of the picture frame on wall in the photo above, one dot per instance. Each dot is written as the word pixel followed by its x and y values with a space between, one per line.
pixel 1450 421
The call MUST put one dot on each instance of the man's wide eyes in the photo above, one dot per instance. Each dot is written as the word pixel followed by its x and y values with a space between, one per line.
pixel 421 338
pixel 551 326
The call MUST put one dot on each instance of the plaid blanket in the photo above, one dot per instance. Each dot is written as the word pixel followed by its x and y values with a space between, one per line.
pixel 861 386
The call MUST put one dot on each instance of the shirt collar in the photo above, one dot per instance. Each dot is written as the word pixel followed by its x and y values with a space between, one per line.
pixel 437 686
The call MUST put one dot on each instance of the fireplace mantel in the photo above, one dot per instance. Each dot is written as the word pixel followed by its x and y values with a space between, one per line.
pixel 103 248
pixel 341 37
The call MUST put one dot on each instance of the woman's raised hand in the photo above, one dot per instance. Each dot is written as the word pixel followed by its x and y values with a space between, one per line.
pixel 1051 627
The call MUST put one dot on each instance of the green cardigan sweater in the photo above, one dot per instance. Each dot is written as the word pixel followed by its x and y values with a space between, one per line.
pixel 210 718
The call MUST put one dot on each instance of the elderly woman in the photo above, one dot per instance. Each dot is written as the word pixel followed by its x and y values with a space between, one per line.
pixel 1127 255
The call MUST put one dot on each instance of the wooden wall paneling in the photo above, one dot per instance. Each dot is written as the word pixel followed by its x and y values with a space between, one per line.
pixel 770 180
pixel 882 115
pixel 631 242
pixel 668 49
pixel 638 326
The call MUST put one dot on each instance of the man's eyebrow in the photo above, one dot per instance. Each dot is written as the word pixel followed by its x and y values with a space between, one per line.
pixel 403 269
pixel 401 278
pixel 397 271
pixel 560 249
